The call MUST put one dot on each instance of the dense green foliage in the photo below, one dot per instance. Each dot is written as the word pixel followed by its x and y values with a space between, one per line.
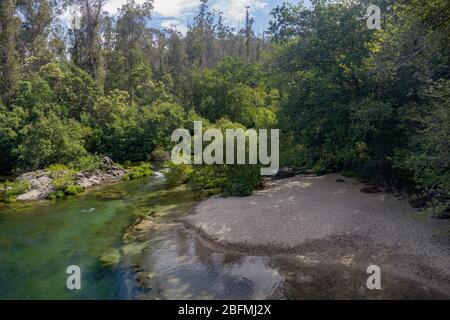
pixel 369 103
pixel 137 172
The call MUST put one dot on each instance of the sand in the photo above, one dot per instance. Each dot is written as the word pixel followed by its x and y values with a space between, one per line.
pixel 328 220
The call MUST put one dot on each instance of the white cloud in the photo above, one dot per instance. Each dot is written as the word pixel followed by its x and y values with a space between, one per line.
pixel 164 8
pixel 234 10
pixel 175 8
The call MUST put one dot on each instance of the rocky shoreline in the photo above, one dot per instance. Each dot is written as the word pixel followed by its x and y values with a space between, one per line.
pixel 41 181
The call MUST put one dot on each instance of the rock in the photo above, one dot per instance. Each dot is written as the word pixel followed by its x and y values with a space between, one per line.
pixel 96 178
pixel 144 279
pixel 111 257
pixel 107 162
pixel 42 183
pixel 34 194
pixel 284 173
pixel 340 180
pixel 371 190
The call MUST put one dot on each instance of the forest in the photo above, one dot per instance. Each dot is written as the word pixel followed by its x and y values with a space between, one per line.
pixel 372 104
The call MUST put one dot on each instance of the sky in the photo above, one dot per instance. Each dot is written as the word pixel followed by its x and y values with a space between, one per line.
pixel 177 13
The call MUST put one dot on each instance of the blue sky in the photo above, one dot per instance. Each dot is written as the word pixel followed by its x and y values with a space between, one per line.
pixel 179 12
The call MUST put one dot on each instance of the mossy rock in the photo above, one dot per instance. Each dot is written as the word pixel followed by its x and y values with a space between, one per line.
pixel 111 257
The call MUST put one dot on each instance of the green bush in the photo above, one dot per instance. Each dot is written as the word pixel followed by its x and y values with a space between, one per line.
pixel 62 179
pixel 178 174
pixel 159 154
pixel 13 189
pixel 56 195
pixel 230 180
pixel 138 172
pixel 240 180
pixel 72 190
pixel 57 168
pixel 87 163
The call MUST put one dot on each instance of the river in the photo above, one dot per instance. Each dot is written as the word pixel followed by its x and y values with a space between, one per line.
pixel 38 241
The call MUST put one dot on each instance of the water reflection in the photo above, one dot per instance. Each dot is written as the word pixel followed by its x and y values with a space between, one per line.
pixel 181 267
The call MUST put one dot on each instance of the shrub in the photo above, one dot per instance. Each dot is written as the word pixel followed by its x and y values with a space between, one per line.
pixel 138 172
pixel 178 174
pixel 62 179
pixel 240 180
pixel 87 163
pixel 230 180
pixel 56 195
pixel 127 163
pixel 11 190
pixel 159 154
pixel 72 190
pixel 57 168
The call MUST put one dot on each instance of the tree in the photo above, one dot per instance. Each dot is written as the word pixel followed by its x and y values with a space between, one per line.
pixel 128 57
pixel 36 19
pixel 9 59
pixel 47 141
pixel 86 41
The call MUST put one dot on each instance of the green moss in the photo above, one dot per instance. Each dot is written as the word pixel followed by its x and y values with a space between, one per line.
pixel 72 190
pixel 138 172
pixel 11 190
pixel 56 195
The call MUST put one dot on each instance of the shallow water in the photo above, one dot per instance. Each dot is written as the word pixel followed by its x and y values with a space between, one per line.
pixel 39 242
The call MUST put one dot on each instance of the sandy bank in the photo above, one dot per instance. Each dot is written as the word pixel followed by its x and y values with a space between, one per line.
pixel 325 219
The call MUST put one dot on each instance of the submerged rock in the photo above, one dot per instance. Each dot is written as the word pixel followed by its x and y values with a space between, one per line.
pixel 111 258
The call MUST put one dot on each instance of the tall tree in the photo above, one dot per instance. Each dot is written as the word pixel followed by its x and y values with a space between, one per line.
pixel 248 33
pixel 36 20
pixel 87 42
pixel 9 60
pixel 130 37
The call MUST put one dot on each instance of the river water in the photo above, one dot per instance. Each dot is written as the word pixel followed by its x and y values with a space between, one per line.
pixel 39 241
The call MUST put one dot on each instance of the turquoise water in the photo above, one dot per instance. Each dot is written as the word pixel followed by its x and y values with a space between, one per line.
pixel 38 243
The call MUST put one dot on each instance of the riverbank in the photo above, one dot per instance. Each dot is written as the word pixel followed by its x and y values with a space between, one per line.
pixel 328 220
pixel 58 181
